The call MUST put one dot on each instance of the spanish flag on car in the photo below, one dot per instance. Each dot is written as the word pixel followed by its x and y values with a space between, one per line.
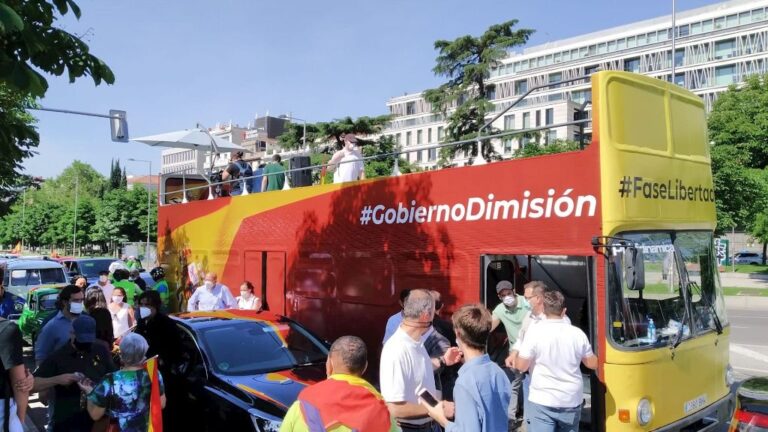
pixel 155 406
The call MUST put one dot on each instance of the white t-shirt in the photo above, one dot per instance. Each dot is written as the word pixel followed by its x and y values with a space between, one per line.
pixel 350 167
pixel 557 348
pixel 405 367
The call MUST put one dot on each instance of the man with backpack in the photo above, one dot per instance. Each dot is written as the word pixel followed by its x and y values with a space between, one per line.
pixel 238 172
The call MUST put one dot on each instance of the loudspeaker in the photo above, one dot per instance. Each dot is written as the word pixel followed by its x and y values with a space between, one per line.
pixel 301 177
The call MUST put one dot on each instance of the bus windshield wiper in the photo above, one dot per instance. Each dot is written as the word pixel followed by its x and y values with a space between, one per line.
pixel 710 306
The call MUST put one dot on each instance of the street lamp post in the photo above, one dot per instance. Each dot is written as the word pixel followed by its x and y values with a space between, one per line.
pixel 74 225
pixel 23 216
pixel 149 205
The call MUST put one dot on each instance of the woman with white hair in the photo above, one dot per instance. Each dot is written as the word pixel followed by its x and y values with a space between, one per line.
pixel 124 395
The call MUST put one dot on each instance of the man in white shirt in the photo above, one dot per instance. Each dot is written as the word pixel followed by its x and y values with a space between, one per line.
pixel 211 296
pixel 406 367
pixel 557 349
pixel 349 160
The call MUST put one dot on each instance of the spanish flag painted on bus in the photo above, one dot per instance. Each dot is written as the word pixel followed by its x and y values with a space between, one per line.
pixel 155 405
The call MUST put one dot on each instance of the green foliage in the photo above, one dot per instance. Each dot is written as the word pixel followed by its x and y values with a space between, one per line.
pixel 29 42
pixel 331 132
pixel 739 191
pixel 383 164
pixel 292 137
pixel 739 119
pixel 536 149
pixel 45 217
pixel 759 230
pixel 467 63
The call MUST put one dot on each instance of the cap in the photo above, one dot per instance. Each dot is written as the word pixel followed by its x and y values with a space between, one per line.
pixel 84 328
pixel 350 138
pixel 505 284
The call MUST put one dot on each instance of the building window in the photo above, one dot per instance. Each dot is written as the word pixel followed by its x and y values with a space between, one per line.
pixel 538 118
pixel 589 70
pixel 719 23
pixel 641 40
pixel 429 135
pixel 679 57
pixel 419 136
pixel 490 91
pixel 418 156
pixel 440 133
pixel 432 154
pixel 652 37
pixel 725 49
pixel 731 21
pixel 632 65
pixel 695 28
pixel 408 138
pixel 549 116
pixel 508 144
pixel 524 141
pixel 758 15
pixel 683 31
pixel 680 79
pixel 526 120
pixel 397 138
pixel 410 108
pixel 521 87
pixel 509 121
pixel 706 26
pixel 551 137
pixel 555 78
pixel 724 75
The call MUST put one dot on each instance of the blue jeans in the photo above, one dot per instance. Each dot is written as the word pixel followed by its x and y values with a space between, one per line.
pixel 516 382
pixel 526 389
pixel 540 418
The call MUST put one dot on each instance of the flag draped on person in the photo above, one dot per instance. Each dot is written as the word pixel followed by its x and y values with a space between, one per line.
pixel 155 405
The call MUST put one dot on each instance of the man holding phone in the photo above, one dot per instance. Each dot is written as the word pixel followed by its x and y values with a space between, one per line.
pixel 482 391
pixel 406 367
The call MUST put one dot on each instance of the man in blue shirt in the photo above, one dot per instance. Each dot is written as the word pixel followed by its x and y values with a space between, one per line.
pixel 394 321
pixel 482 393
pixel 7 303
pixel 56 333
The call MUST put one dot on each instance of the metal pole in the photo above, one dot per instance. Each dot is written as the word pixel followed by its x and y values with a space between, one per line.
pixel 304 137
pixel 674 32
pixel 149 212
pixel 74 229
pixel 23 217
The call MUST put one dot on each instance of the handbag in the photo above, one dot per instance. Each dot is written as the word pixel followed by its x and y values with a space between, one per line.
pixel 107 423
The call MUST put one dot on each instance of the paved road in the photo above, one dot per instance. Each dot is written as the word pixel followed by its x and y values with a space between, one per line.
pixel 749 342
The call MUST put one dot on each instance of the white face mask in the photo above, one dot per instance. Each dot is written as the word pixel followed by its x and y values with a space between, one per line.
pixel 103 279
pixel 208 284
pixel 144 311
pixel 76 308
pixel 117 299
pixel 509 300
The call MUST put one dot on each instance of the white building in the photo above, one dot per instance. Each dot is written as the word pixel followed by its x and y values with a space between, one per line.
pixel 715 46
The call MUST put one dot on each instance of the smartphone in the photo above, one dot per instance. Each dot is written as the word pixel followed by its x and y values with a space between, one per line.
pixel 428 398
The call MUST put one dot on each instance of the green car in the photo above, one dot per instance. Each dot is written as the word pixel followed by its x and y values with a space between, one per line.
pixel 40 305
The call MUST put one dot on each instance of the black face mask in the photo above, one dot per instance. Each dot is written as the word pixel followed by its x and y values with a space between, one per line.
pixel 82 346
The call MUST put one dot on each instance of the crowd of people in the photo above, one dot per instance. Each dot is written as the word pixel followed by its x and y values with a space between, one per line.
pixel 542 372
pixel 346 165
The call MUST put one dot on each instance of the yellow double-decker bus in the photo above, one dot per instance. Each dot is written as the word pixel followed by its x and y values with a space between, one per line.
pixel 623 228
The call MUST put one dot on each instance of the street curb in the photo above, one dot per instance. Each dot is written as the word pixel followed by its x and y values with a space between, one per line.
pixel 746 302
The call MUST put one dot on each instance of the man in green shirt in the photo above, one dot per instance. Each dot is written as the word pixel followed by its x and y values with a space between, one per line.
pixel 274 175
pixel 511 312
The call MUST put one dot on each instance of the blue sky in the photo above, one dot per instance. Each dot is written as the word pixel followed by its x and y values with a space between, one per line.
pixel 179 62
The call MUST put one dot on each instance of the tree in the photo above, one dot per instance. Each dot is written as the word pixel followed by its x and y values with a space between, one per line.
pixel 739 118
pixel 382 165
pixel 115 175
pixel 334 131
pixel 292 137
pixel 760 231
pixel 30 42
pixel 739 192
pixel 467 63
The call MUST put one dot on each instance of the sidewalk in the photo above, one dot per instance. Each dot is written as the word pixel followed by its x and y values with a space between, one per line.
pixel 744 280
pixel 746 303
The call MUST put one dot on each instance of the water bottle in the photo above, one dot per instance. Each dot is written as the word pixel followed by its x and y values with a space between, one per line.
pixel 651 330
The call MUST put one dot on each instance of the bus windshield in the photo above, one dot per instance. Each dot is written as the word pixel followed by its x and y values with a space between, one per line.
pixel 682 296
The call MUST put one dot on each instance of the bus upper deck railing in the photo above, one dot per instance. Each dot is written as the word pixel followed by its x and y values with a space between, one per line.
pixel 480 140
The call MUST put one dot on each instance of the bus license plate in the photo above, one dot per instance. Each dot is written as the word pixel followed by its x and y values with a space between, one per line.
pixel 695 404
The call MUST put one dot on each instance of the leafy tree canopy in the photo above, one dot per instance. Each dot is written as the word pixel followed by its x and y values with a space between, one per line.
pixel 467 63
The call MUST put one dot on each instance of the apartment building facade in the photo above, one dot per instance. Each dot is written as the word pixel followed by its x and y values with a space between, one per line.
pixel 715 46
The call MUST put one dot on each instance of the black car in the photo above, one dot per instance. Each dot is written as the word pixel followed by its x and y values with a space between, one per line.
pixel 241 370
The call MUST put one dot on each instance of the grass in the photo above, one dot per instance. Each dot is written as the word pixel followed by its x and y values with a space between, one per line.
pixel 747 268
pixel 660 288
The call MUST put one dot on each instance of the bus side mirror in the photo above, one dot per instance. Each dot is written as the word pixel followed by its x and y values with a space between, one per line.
pixel 634 269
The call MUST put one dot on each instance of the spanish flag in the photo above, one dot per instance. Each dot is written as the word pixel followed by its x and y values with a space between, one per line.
pixel 155 406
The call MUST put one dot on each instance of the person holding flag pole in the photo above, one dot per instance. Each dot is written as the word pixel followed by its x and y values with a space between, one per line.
pixel 131 399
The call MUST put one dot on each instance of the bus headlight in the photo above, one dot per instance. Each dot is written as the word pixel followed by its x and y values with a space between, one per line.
pixel 644 412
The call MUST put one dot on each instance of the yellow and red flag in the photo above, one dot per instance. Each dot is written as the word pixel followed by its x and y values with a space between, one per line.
pixel 155 405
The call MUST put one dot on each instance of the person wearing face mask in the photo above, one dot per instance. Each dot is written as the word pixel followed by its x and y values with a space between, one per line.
pixel 56 332
pixel 78 360
pixel 164 342
pixel 511 312
pixel 405 366
pixel 482 392
pixel 122 314
pixel 131 290
pixel 135 277
pixel 211 296
pixel 247 300
pixel 105 285
pixel 345 398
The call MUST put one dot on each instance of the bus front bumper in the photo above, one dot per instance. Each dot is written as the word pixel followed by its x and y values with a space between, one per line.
pixel 710 418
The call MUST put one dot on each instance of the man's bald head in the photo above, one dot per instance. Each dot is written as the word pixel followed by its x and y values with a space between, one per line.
pixel 349 355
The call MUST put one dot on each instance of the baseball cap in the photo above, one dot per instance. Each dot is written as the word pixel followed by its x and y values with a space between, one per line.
pixel 505 284
pixel 84 328
pixel 350 138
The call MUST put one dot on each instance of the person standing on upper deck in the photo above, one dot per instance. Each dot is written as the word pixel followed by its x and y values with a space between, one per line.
pixel 274 175
pixel 349 160
pixel 237 172
pixel 211 296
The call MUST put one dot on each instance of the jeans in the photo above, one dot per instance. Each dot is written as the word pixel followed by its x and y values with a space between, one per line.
pixel 540 418
pixel 516 382
pixel 526 390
